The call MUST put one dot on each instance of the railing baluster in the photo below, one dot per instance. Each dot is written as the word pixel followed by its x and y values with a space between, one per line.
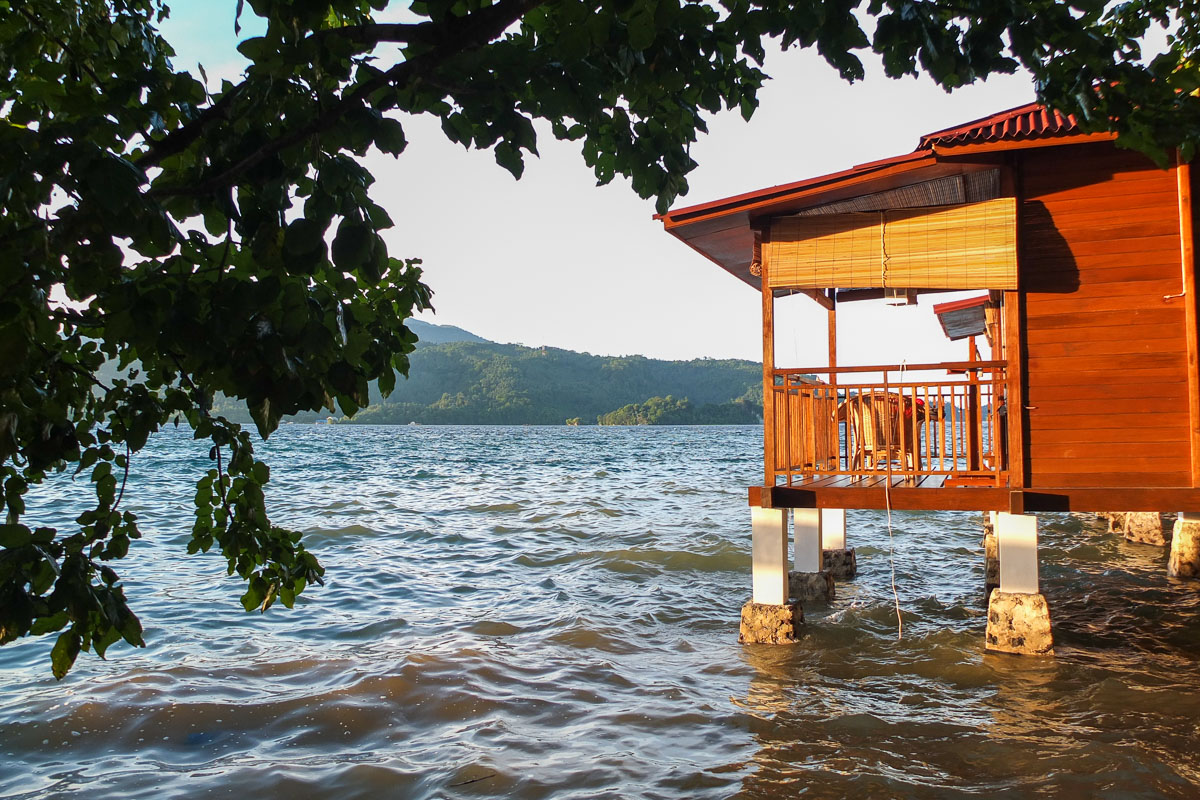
pixel 882 422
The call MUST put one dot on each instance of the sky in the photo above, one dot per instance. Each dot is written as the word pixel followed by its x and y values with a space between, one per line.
pixel 553 259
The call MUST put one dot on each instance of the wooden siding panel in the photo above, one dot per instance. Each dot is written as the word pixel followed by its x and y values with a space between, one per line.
pixel 1106 369
pixel 1085 301
pixel 1132 320
pixel 1119 477
pixel 1116 436
pixel 1131 391
pixel 1090 450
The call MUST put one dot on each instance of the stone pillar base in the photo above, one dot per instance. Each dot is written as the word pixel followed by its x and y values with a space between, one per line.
pixel 1185 550
pixel 841 564
pixel 1019 623
pixel 766 624
pixel 810 586
pixel 991 560
pixel 1141 527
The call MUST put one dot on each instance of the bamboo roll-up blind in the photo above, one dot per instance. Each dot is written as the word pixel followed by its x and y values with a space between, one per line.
pixel 971 246
pixel 830 250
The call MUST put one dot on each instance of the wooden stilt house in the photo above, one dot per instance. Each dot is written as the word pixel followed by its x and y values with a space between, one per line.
pixel 1082 389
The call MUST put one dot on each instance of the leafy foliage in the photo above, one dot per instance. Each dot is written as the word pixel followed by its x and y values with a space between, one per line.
pixel 226 242
pixel 669 411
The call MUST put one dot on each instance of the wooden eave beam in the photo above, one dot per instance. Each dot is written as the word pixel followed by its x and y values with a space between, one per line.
pixel 850 295
pixel 817 295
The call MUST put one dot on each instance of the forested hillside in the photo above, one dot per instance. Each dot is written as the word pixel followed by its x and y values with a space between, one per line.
pixel 457 378
pixel 488 383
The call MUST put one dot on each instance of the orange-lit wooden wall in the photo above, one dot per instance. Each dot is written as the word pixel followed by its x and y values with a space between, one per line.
pixel 1106 384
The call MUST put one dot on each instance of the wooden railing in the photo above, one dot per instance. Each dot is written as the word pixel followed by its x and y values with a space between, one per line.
pixel 953 426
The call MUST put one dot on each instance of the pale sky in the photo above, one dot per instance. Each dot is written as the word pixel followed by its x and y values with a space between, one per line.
pixel 554 260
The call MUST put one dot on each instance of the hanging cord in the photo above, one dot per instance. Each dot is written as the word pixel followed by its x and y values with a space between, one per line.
pixel 887 493
pixel 883 253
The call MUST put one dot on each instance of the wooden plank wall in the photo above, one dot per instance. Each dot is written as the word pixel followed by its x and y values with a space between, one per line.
pixel 1107 354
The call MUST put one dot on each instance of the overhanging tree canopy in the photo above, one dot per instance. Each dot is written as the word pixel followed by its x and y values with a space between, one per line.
pixel 227 242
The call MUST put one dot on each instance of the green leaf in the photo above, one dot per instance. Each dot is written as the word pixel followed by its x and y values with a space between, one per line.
pixel 48 624
pixel 66 649
pixel 15 536
pixel 389 137
pixel 304 239
pixel 352 246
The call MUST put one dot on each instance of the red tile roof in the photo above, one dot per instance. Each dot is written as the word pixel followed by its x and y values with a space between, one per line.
pixel 1024 122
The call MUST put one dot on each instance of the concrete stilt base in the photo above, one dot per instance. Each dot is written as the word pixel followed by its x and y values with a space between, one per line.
pixel 767 624
pixel 1019 623
pixel 810 586
pixel 1141 527
pixel 841 564
pixel 1185 550
pixel 991 560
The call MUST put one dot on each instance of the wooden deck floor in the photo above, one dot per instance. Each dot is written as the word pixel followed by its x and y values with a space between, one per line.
pixel 930 493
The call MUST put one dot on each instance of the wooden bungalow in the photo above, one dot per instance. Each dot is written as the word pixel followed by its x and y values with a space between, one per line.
pixel 1081 391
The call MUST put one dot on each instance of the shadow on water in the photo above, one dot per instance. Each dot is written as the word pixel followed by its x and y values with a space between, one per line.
pixel 566 628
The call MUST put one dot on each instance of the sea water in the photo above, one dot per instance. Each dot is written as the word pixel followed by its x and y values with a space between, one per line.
pixel 538 612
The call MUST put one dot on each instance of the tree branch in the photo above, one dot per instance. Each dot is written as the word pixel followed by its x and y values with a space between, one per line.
pixel 376 32
pixel 369 34
pixel 37 23
pixel 181 139
pixel 454 37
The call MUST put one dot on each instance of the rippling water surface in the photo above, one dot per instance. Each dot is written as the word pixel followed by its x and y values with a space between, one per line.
pixel 552 612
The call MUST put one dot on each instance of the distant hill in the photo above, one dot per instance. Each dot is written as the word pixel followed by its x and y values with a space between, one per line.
pixel 430 333
pixel 458 378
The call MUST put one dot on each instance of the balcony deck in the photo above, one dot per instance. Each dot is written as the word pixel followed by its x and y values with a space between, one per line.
pixel 937 443
pixel 931 493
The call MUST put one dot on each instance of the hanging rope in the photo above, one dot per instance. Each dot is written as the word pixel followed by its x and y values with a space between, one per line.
pixel 887 494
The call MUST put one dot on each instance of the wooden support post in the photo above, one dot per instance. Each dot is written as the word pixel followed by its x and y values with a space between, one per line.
pixel 1015 395
pixel 1187 254
pixel 831 321
pixel 831 318
pixel 974 429
pixel 769 554
pixel 1013 309
pixel 768 315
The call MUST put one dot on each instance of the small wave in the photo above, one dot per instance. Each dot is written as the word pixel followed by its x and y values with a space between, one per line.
pixel 497 508
pixel 339 533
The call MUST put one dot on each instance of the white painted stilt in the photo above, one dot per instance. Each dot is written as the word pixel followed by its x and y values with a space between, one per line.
pixel 1018 553
pixel 1018 616
pixel 806 532
pixel 770 545
pixel 836 559
pixel 769 618
pixel 808 580
pixel 833 529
